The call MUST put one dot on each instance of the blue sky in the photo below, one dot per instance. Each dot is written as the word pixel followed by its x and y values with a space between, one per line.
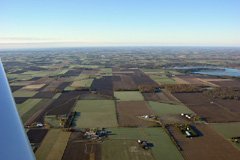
pixel 122 22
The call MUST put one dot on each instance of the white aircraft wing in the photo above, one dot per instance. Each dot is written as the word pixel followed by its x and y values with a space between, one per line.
pixel 14 144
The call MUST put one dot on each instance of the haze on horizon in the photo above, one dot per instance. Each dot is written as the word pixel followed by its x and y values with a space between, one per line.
pixel 60 23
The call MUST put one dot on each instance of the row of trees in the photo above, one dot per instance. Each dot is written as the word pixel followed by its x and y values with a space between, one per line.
pixel 224 93
pixel 183 88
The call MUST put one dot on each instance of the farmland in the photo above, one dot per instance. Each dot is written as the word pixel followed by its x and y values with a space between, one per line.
pixel 164 108
pixel 228 130
pixel 128 113
pixel 128 95
pixel 127 103
pixel 53 145
pixel 163 146
pixel 211 110
pixel 95 113
pixel 204 147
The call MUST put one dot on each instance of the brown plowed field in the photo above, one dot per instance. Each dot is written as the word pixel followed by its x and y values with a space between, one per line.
pixel 19 100
pixel 36 135
pixel 141 79
pixel 128 111
pixel 233 83
pixel 64 103
pixel 77 149
pixel 14 88
pixel 192 80
pixel 44 94
pixel 151 97
pixel 209 109
pixel 210 146
pixel 123 82
pixel 103 85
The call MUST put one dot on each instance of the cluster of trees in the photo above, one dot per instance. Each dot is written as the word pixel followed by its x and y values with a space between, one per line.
pixel 146 88
pixel 224 93
pixel 183 88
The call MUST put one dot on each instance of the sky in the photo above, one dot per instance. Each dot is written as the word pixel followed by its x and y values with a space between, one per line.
pixel 70 23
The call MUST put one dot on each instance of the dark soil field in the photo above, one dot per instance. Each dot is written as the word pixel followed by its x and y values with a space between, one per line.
pixel 19 100
pixel 64 103
pixel 128 111
pixel 208 109
pixel 123 82
pixel 78 149
pixel 36 135
pixel 141 79
pixel 44 94
pixel 73 72
pixel 14 88
pixel 103 85
pixel 63 85
pixel 210 146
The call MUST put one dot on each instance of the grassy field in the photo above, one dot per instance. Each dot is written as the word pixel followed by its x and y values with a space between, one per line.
pixel 96 113
pixel 27 105
pixel 24 93
pixel 163 146
pixel 20 83
pixel 124 150
pixel 228 130
pixel 37 73
pixel 162 79
pixel 56 95
pixel 106 71
pixel 35 108
pixel 164 108
pixel 85 83
pixel 34 86
pixel 53 145
pixel 19 77
pixel 128 96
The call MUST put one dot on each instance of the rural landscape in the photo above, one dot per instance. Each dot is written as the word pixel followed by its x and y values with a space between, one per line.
pixel 128 103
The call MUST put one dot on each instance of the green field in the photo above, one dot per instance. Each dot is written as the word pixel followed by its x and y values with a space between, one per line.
pixel 37 73
pixel 106 71
pixel 127 137
pixel 85 83
pixel 35 108
pixel 53 145
pixel 228 130
pixel 165 108
pixel 27 106
pixel 162 79
pixel 24 93
pixel 96 113
pixel 124 150
pixel 129 96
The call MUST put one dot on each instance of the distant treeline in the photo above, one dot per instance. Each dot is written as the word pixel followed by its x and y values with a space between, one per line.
pixel 183 88
pixel 224 93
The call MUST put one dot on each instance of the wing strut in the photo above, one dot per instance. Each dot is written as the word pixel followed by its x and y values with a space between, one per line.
pixel 14 144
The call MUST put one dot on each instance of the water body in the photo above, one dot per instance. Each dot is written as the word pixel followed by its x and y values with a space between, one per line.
pixel 213 71
pixel 221 72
